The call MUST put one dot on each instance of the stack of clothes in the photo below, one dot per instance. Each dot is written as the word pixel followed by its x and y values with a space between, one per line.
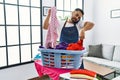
pixel 83 74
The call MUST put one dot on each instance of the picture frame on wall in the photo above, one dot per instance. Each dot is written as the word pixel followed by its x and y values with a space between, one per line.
pixel 115 13
pixel 45 10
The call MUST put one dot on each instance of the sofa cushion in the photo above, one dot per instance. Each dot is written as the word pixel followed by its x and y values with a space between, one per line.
pixel 116 55
pixel 107 51
pixel 95 50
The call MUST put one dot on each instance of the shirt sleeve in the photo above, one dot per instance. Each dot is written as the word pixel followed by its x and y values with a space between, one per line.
pixel 61 25
pixel 80 24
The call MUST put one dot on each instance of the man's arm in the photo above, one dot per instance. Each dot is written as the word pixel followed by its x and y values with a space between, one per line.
pixel 46 22
pixel 87 26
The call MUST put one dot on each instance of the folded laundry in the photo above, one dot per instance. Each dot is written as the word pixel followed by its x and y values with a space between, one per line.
pixel 83 71
pixel 81 76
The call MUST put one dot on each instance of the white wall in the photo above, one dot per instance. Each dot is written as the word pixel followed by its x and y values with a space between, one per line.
pixel 106 29
pixel 89 11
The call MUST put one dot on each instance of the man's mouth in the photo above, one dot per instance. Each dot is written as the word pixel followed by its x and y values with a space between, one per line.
pixel 74 20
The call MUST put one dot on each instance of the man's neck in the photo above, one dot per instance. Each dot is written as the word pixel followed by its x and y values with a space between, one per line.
pixel 69 21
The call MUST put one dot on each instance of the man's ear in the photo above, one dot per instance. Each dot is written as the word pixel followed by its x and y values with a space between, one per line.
pixel 73 12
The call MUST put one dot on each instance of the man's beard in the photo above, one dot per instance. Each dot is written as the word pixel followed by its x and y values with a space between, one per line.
pixel 75 22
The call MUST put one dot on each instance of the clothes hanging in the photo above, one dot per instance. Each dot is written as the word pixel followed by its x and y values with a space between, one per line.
pixel 52 35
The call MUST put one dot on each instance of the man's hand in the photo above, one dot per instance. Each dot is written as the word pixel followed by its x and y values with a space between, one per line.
pixel 82 34
pixel 46 22
pixel 49 12
pixel 87 26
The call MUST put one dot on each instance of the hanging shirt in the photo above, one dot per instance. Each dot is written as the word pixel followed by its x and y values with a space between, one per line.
pixel 52 35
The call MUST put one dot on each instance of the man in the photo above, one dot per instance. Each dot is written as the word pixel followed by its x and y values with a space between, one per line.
pixel 76 16
pixel 73 28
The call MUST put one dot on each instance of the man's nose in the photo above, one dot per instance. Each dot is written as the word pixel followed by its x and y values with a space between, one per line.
pixel 77 18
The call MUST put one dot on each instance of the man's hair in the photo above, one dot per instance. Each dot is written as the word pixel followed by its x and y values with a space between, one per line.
pixel 78 9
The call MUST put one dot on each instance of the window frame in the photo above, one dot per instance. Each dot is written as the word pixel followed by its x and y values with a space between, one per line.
pixel 30 25
pixel 63 10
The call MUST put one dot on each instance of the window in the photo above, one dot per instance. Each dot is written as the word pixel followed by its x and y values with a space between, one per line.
pixel 20 31
pixel 64 7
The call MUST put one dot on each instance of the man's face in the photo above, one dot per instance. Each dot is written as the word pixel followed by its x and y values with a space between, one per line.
pixel 76 16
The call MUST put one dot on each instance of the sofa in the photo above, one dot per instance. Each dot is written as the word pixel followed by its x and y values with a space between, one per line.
pixel 104 54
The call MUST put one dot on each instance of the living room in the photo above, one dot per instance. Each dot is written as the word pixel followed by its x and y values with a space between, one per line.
pixel 104 13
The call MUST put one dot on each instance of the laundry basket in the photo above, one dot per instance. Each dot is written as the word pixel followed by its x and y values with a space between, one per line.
pixel 61 58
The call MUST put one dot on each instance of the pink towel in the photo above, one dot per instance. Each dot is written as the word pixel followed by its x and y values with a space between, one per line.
pixel 52 30
pixel 53 73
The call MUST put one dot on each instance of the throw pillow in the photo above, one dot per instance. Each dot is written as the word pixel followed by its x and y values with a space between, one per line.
pixel 116 55
pixel 95 51
pixel 107 51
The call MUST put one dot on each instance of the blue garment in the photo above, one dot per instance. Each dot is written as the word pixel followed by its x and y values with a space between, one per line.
pixel 70 35
pixel 82 65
